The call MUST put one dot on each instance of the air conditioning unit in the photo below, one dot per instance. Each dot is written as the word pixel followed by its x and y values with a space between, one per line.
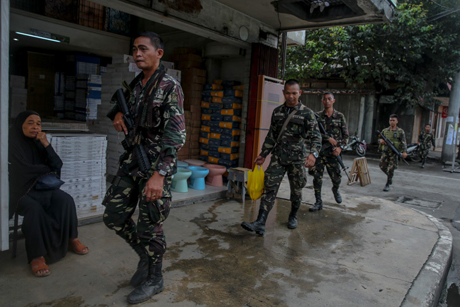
pixel 222 51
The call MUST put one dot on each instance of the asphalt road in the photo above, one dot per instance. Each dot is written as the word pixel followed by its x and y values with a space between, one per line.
pixel 430 190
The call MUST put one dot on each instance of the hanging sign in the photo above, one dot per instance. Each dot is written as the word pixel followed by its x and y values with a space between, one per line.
pixel 444 111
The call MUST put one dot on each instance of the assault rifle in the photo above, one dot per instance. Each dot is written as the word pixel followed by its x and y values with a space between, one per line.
pixel 141 156
pixel 339 158
pixel 391 145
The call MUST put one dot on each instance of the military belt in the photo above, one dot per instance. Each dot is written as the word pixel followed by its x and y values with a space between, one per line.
pixel 119 181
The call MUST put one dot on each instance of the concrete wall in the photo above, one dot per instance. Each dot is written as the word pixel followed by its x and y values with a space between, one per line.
pixel 4 77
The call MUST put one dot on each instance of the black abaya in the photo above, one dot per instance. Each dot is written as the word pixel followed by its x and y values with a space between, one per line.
pixel 50 218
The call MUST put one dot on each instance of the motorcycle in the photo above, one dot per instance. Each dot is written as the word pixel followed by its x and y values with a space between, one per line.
pixel 413 152
pixel 354 144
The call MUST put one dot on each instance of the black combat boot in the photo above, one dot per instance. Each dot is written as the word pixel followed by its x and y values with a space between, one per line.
pixel 142 270
pixel 258 225
pixel 423 163
pixel 387 185
pixel 319 203
pixel 153 285
pixel 337 196
pixel 292 222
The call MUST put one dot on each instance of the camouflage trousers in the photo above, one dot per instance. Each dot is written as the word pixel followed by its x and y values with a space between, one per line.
pixel 388 163
pixel 424 153
pixel 273 177
pixel 120 203
pixel 333 169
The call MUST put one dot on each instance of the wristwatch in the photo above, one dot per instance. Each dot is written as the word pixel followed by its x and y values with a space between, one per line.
pixel 315 154
pixel 162 172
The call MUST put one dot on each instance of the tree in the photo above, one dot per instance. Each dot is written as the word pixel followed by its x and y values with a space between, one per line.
pixel 417 52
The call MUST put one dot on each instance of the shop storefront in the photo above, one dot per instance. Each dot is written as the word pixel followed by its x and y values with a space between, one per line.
pixel 216 49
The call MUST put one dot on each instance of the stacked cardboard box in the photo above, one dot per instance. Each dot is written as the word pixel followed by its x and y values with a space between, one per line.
pixel 120 70
pixel 18 95
pixel 221 123
pixel 83 170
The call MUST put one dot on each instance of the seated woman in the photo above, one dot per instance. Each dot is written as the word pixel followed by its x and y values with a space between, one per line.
pixel 50 218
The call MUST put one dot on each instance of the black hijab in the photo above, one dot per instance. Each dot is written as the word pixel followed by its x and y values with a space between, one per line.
pixel 27 160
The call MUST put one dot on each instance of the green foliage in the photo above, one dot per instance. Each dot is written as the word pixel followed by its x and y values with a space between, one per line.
pixel 412 53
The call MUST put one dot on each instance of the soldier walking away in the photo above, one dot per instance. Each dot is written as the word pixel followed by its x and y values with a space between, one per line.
pixel 336 139
pixel 389 159
pixel 155 101
pixel 292 126
pixel 425 140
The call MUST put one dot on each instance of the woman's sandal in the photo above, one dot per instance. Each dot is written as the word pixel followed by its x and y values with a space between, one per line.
pixel 78 248
pixel 39 264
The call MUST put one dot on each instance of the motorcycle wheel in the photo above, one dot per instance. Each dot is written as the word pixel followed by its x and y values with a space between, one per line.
pixel 360 150
pixel 414 156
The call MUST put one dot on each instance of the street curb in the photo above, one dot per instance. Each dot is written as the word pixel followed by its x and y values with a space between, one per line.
pixel 428 285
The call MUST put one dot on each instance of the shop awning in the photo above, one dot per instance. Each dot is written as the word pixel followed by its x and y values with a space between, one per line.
pixel 293 15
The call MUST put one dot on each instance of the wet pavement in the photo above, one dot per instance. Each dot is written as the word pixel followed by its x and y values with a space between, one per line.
pixel 364 252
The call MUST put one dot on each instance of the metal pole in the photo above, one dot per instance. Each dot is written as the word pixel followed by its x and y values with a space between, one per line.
pixel 4 115
pixel 451 122
pixel 283 54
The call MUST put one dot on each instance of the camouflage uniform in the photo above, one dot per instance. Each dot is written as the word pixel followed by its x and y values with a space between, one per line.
pixel 289 154
pixel 389 159
pixel 336 127
pixel 163 134
pixel 425 140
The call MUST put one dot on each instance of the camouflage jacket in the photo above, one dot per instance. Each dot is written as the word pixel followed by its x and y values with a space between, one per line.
pixel 336 126
pixel 162 142
pixel 397 137
pixel 426 139
pixel 302 130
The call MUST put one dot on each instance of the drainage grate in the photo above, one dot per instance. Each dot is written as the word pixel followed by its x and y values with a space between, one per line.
pixel 418 202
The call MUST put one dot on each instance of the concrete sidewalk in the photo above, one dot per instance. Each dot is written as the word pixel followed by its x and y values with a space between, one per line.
pixel 363 252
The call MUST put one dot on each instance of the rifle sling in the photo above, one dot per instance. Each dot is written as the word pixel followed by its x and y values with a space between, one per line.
pixel 288 119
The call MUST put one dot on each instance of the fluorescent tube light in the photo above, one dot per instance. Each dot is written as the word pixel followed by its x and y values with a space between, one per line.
pixel 36 36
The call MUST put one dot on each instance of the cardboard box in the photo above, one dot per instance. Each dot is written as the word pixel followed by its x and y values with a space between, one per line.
pixel 122 58
pixel 193 79
pixel 190 87
pixel 192 97
pixel 195 138
pixel 188 64
pixel 194 72
pixel 168 65
pixel 176 74
pixel 193 109
pixel 196 123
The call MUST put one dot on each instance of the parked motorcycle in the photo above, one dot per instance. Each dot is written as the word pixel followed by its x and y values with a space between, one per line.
pixel 355 144
pixel 413 152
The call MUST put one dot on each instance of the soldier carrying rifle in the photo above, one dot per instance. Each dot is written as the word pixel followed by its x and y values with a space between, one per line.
pixel 335 137
pixel 391 149
pixel 155 131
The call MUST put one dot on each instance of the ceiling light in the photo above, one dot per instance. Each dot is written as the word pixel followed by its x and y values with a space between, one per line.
pixel 15 39
pixel 40 37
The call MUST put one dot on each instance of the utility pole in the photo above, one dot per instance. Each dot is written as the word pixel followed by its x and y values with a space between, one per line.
pixel 449 145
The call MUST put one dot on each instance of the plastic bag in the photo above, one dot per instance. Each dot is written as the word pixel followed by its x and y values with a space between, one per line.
pixel 256 182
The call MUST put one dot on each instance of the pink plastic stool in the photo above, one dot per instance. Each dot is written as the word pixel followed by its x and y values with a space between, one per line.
pixel 214 177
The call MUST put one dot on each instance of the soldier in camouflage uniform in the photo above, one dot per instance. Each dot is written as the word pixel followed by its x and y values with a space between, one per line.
pixel 336 139
pixel 289 154
pixel 156 101
pixel 389 159
pixel 425 139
